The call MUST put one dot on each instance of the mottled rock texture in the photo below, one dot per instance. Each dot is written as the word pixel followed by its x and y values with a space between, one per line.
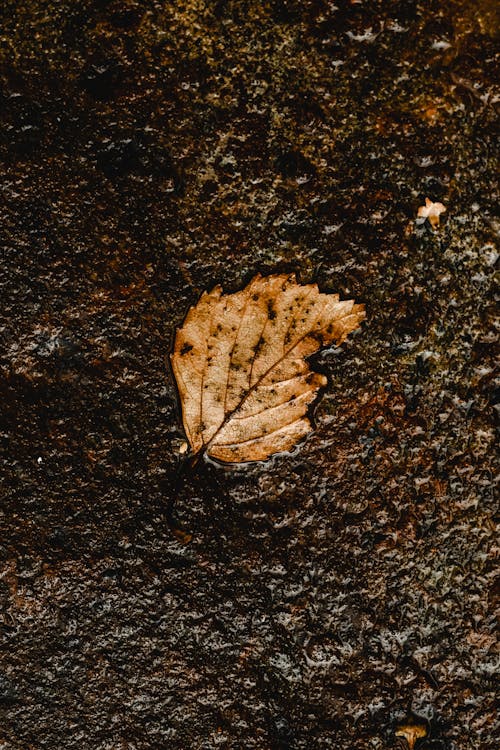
pixel 147 151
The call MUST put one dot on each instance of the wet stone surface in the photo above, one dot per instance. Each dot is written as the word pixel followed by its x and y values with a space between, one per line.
pixel 147 151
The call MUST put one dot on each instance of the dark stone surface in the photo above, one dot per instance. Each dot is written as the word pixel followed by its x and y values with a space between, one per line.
pixel 148 150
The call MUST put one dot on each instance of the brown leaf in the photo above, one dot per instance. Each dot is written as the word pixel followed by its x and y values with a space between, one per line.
pixel 411 733
pixel 431 211
pixel 240 365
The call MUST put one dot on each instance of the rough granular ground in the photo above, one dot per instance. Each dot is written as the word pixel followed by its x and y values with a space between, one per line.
pixel 147 151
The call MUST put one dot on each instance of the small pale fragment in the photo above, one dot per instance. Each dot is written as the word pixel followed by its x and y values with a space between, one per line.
pixel 183 447
pixel 431 211
pixel 411 733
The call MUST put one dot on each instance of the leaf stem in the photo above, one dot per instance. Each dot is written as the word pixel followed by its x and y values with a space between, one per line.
pixel 185 467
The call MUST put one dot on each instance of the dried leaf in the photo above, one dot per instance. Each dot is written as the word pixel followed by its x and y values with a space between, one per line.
pixel 240 365
pixel 411 733
pixel 431 211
